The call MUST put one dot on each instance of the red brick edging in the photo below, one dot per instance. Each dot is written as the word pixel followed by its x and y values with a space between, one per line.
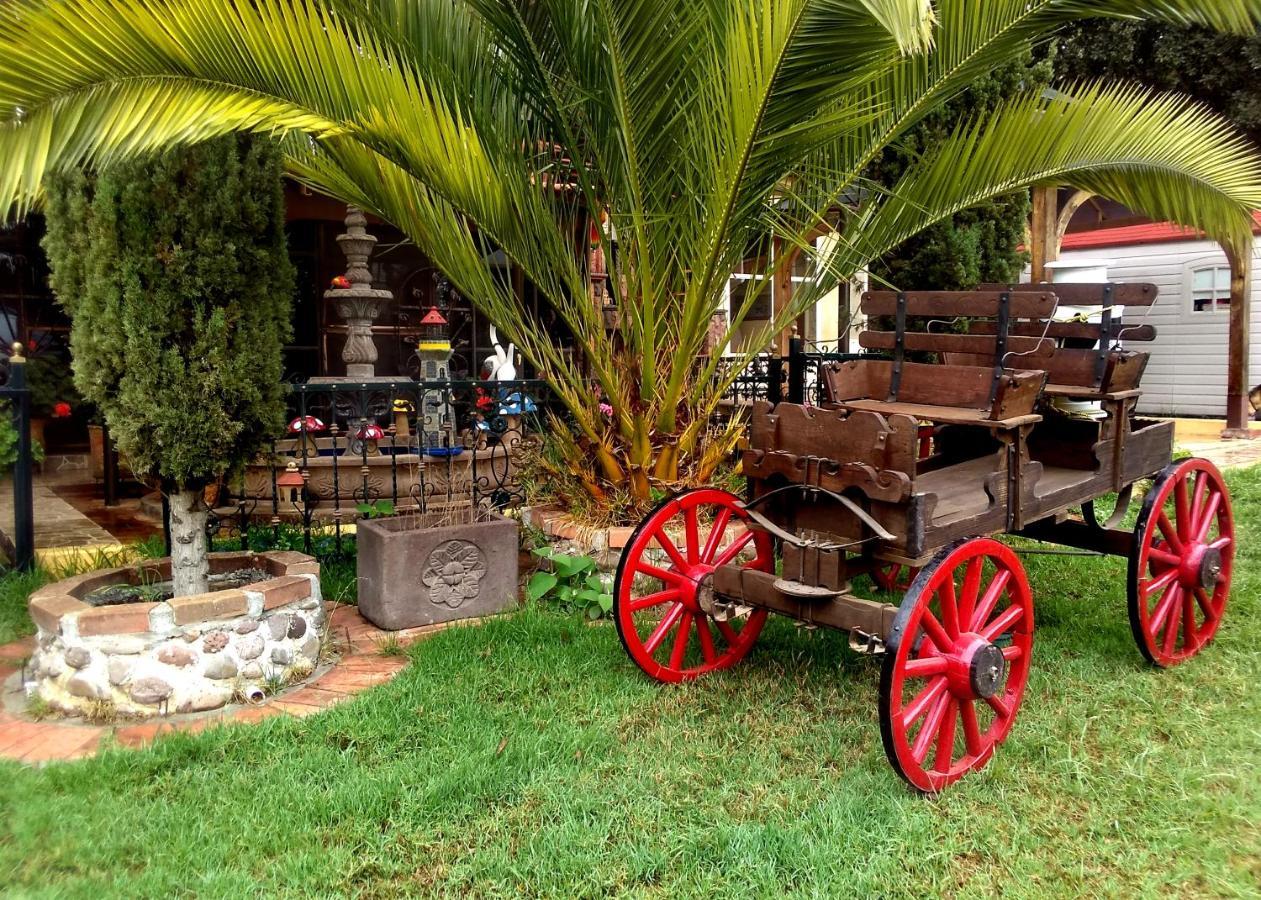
pixel 360 667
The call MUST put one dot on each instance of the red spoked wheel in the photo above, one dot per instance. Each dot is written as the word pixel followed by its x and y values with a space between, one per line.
pixel 664 574
pixel 891 576
pixel 1181 562
pixel 956 664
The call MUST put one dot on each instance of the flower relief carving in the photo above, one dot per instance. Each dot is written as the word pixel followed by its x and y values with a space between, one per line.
pixel 453 573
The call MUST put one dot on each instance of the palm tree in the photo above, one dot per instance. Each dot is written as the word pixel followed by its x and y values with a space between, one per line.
pixel 695 135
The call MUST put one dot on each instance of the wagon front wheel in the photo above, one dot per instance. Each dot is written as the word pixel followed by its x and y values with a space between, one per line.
pixel 956 664
pixel 1181 562
pixel 664 575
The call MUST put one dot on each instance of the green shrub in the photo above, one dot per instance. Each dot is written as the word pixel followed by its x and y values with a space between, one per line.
pixel 574 584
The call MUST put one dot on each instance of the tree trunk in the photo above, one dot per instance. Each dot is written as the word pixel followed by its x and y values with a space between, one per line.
pixel 190 565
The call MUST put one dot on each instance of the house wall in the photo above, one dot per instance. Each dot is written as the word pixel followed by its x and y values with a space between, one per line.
pixel 1187 373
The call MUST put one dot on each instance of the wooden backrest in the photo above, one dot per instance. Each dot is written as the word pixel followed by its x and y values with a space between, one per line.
pixel 924 317
pixel 1086 353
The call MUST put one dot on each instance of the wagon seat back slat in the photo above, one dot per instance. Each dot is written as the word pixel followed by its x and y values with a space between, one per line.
pixel 1088 362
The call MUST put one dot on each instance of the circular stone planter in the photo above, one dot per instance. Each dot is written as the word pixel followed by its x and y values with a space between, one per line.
pixel 183 655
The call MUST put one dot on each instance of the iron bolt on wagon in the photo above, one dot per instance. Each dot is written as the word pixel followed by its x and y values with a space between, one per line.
pixel 846 491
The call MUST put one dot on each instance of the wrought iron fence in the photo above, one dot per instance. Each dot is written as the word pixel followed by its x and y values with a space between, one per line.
pixel 795 377
pixel 355 449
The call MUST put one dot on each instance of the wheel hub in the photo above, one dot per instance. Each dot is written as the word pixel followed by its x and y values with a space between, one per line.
pixel 986 671
pixel 1210 568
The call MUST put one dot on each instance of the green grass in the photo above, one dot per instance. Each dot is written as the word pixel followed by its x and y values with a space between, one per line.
pixel 528 756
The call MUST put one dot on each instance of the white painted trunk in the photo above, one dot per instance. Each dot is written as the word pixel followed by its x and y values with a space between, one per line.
pixel 190 566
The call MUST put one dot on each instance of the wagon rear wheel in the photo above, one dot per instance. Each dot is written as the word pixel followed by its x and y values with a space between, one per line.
pixel 895 577
pixel 663 578
pixel 957 663
pixel 1181 562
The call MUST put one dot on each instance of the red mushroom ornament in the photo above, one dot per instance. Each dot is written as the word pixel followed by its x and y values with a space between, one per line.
pixel 306 426
pixel 370 433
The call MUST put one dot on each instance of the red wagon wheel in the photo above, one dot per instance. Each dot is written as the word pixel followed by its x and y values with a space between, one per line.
pixel 664 572
pixel 956 664
pixel 1180 565
pixel 895 577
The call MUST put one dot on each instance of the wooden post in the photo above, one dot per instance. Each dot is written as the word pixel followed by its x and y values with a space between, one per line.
pixel 782 291
pixel 1238 411
pixel 1043 231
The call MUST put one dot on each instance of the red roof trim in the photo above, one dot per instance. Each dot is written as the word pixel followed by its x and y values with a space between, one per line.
pixel 1133 235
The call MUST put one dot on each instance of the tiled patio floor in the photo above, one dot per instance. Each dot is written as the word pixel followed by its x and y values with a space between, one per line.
pixel 360 667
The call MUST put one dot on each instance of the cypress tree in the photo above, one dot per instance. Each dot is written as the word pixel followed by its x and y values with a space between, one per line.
pixel 175 274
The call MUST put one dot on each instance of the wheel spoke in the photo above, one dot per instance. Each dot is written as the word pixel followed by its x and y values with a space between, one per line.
pixel 946 737
pixel 990 600
pixel 923 700
pixel 1006 619
pixel 1163 607
pixel 1164 557
pixel 1171 630
pixel 1170 533
pixel 680 642
pixel 1206 604
pixel 1190 631
pixel 1210 514
pixel 1159 583
pixel 1197 505
pixel 666 575
pixel 668 621
pixel 928 731
pixel 668 546
pixel 728 633
pixel 971 590
pixel 971 730
pixel 926 668
pixel 706 639
pixel 733 550
pixel 716 534
pixel 949 608
pixel 692 535
pixel 654 599
pixel 1222 542
pixel 1012 653
pixel 1000 706
pixel 935 632
pixel 1182 510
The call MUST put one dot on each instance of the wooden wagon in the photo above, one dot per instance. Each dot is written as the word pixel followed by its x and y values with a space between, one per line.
pixel 845 491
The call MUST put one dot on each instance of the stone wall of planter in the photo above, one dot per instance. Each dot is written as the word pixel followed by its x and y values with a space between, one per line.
pixel 184 655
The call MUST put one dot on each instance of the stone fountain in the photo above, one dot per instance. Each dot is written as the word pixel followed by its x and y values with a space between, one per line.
pixel 360 303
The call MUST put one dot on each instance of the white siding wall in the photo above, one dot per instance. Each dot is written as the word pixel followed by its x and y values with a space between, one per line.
pixel 1187 374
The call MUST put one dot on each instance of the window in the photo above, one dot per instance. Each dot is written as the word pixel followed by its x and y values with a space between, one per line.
pixel 1210 289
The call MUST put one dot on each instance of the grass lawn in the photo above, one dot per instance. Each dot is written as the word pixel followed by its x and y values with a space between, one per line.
pixel 528 756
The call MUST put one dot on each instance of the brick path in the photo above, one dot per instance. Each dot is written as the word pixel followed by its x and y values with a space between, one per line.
pixel 360 667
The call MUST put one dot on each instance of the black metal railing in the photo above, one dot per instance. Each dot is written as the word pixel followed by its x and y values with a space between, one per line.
pixel 356 449
pixel 795 378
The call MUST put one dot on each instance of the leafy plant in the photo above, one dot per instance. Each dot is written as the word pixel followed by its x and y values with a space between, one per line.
pixel 574 584
pixel 9 441
pixel 378 509
pixel 700 138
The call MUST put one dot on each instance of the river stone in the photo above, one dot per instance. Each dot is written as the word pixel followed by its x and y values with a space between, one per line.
pixel 297 627
pixel 309 604
pixel 215 641
pixel 120 670
pixel 277 626
pixel 175 655
pixel 252 671
pixel 245 626
pixel 311 649
pixel 52 665
pixel 281 656
pixel 150 690
pixel 221 667
pixel 191 635
pixel 83 686
pixel 78 657
pixel 250 647
pixel 121 645
pixel 208 697
pixel 162 618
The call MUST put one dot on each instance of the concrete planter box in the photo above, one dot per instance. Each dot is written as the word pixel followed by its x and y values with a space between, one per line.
pixel 424 569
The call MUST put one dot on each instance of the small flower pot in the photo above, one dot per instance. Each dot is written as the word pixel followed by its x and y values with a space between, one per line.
pixel 425 569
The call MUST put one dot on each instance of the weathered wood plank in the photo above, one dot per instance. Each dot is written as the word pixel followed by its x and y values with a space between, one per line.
pixel 979 344
pixel 950 304
pixel 1085 294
